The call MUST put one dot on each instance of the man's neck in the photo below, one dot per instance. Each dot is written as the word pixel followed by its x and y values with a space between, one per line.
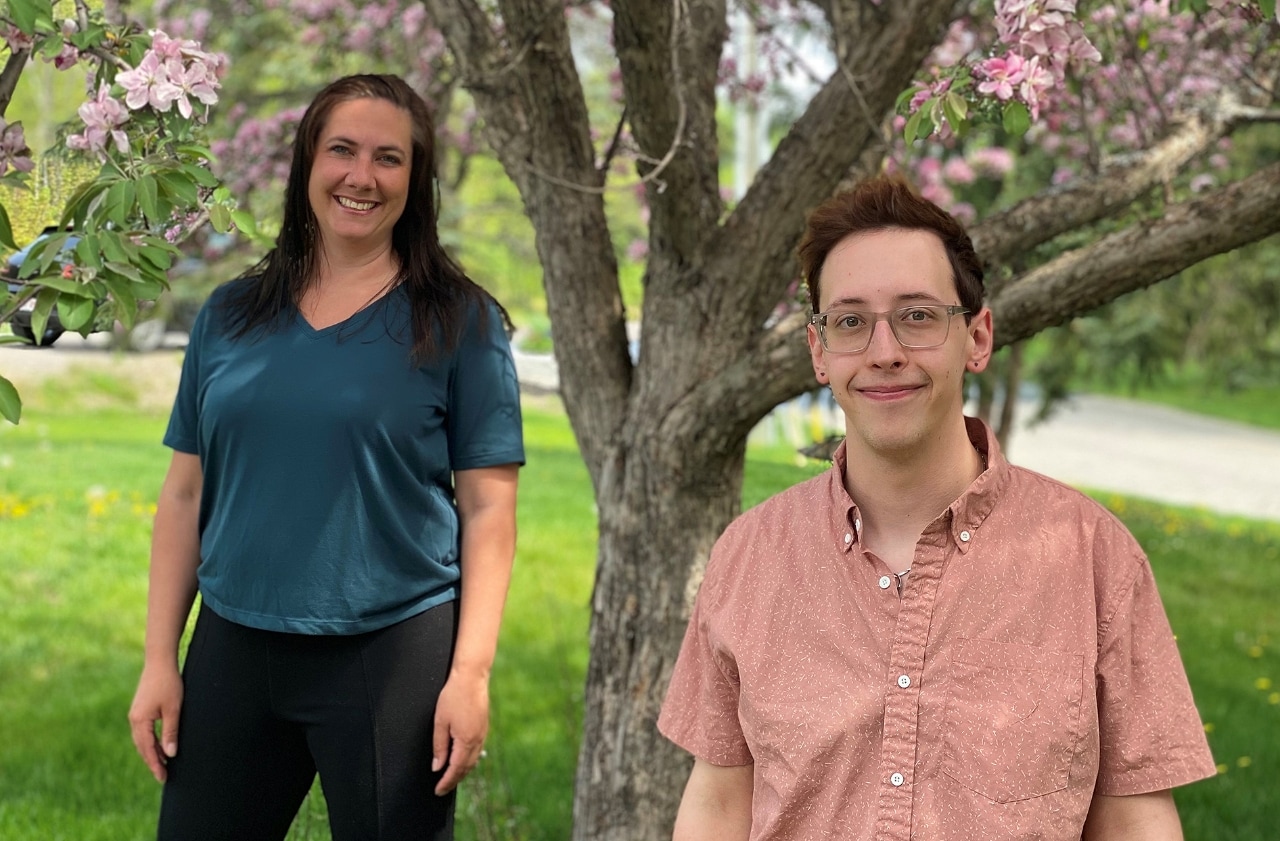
pixel 899 493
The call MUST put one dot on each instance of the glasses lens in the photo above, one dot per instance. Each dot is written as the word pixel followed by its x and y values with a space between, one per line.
pixel 847 332
pixel 920 326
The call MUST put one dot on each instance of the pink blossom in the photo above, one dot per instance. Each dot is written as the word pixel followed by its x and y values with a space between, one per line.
pixel 958 171
pixel 194 81
pixel 1202 182
pixel 149 84
pixel 102 116
pixel 13 148
pixel 994 161
pixel 1002 74
pixel 1062 175
pixel 1036 82
pixel 637 250
pixel 17 39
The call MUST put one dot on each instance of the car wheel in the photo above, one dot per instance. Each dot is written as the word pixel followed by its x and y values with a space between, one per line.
pixel 51 334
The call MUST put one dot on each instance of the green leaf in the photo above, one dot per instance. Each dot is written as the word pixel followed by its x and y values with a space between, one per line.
pixel 194 151
pixel 126 301
pixel 45 299
pixel 157 257
pixel 10 402
pixel 51 48
pixel 1016 118
pixel 42 255
pixel 179 186
pixel 955 109
pixel 244 222
pixel 125 270
pixel 148 195
pixel 220 217
pixel 64 284
pixel 27 14
pixel 1268 8
pixel 119 202
pixel 200 175
pixel 75 312
pixel 91 37
pixel 89 251
pixel 6 231
pixel 112 248
pixel 912 127
pixel 78 205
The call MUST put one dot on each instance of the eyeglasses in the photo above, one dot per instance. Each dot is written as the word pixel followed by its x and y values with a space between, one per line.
pixel 849 331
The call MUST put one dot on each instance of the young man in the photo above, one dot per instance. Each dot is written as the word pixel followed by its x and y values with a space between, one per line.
pixel 925 641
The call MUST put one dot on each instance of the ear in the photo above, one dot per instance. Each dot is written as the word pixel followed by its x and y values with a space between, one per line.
pixel 981 342
pixel 817 355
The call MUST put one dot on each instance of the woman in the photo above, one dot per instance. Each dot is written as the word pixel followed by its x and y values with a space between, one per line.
pixel 346 441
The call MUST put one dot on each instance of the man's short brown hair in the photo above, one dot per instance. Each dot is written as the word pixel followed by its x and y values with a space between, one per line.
pixel 884 203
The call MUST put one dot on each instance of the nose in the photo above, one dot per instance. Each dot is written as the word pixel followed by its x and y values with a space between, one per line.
pixel 884 349
pixel 360 172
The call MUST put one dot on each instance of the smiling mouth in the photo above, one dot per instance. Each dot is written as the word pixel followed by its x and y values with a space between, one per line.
pixel 352 204
pixel 888 392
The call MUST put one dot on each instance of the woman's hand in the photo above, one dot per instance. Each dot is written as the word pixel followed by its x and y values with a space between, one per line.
pixel 159 698
pixel 462 722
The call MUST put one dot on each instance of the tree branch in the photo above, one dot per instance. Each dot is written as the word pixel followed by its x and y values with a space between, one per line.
pixel 1036 220
pixel 1139 256
pixel 881 49
pixel 669 55
pixel 9 76
pixel 536 120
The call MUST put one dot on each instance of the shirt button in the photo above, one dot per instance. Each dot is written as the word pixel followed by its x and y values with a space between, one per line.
pixel 848 538
pixel 885 581
pixel 897 779
pixel 904 681
pixel 964 536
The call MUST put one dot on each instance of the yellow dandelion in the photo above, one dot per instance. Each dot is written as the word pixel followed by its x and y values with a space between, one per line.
pixel 1244 762
pixel 1222 768
pixel 1255 651
pixel 1208 727
pixel 1263 683
pixel 1172 527
pixel 1235 530
pixel 97 508
pixel 1273 698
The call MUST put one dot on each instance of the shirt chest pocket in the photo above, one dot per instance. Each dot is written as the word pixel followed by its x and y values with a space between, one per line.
pixel 1013 719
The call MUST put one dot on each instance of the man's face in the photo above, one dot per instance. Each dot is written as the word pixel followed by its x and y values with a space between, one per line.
pixel 896 399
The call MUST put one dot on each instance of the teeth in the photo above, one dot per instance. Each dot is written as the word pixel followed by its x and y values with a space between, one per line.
pixel 356 205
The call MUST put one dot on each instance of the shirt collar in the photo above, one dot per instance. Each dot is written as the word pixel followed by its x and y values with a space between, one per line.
pixel 966 514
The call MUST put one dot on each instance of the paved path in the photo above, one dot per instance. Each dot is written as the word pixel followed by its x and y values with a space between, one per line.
pixel 1155 452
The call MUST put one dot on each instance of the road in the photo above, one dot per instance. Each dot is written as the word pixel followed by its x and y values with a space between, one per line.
pixel 1097 442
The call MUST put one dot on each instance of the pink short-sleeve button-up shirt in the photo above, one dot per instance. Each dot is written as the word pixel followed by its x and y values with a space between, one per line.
pixel 1026 664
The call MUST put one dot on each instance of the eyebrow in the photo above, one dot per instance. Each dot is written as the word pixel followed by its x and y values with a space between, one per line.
pixel 347 141
pixel 904 298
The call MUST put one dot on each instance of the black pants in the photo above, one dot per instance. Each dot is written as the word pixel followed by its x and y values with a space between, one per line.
pixel 263 711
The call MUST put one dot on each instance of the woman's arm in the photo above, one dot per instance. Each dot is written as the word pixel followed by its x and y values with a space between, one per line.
pixel 487 516
pixel 175 552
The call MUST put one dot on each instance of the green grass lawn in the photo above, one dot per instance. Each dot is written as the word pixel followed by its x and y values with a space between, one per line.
pixel 77 490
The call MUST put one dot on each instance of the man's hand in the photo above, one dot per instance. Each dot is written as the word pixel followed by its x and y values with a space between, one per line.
pixel 159 698
pixel 716 803
pixel 462 718
pixel 1137 817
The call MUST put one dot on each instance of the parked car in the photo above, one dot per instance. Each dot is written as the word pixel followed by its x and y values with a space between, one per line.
pixel 146 334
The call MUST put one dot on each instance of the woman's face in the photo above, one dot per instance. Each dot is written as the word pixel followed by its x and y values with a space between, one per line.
pixel 359 178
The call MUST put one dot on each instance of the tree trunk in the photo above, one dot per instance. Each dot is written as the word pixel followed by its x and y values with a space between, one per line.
pixel 657 526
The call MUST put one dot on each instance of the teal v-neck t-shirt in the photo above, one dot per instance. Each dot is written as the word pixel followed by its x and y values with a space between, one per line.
pixel 328 462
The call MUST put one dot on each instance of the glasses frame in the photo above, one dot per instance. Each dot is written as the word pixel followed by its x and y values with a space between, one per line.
pixel 819 322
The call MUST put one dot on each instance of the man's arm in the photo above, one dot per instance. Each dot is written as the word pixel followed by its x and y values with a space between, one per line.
pixel 716 804
pixel 1136 817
